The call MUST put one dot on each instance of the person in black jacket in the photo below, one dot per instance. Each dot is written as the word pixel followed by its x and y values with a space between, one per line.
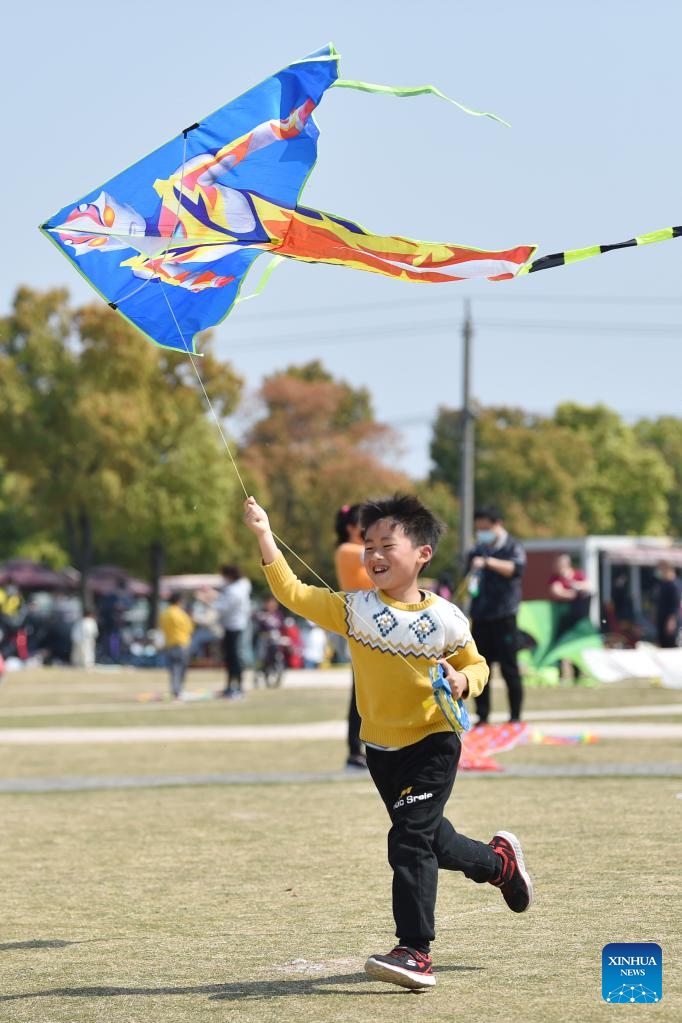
pixel 667 605
pixel 495 567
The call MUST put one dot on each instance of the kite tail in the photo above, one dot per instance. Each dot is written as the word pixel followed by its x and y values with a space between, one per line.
pixel 577 255
pixel 418 90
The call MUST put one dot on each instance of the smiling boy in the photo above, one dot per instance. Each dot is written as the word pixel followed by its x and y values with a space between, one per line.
pixel 396 633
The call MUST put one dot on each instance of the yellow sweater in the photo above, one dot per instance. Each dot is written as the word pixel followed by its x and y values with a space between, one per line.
pixel 392 646
pixel 176 625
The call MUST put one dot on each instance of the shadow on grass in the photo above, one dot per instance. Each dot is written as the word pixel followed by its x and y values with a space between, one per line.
pixel 11 946
pixel 254 989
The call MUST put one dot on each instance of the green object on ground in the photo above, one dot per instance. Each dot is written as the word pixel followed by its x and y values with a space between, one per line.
pixel 541 620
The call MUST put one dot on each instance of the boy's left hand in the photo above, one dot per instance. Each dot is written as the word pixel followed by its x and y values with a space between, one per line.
pixel 459 683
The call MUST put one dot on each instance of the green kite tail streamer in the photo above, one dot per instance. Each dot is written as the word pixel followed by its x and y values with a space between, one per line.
pixel 419 90
pixel 577 255
pixel 267 274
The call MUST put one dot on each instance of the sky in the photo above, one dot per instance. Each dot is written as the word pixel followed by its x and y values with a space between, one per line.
pixel 592 91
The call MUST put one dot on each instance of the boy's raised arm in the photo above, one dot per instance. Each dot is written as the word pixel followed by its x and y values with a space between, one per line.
pixel 257 520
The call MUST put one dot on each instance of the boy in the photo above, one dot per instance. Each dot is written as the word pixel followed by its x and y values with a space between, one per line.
pixel 395 633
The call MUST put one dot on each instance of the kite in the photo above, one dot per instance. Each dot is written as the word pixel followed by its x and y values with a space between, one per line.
pixel 480 745
pixel 540 621
pixel 454 711
pixel 169 241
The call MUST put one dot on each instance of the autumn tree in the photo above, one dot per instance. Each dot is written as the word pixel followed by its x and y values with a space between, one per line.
pixel 314 447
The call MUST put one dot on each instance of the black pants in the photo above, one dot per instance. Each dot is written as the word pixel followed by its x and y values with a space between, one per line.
pixel 355 745
pixel 415 783
pixel 665 639
pixel 497 642
pixel 233 660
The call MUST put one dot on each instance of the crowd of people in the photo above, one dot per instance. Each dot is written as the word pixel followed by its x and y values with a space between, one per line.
pixel 53 628
pixel 227 626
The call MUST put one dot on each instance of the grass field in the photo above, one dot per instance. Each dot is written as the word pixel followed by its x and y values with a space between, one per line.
pixel 260 902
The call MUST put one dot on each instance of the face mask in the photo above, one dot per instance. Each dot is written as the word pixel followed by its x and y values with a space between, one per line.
pixel 485 535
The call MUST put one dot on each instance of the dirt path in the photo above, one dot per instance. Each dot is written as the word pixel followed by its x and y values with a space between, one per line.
pixel 297 732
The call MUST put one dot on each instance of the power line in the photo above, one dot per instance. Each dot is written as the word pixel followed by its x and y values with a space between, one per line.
pixel 362 334
pixel 594 328
pixel 478 297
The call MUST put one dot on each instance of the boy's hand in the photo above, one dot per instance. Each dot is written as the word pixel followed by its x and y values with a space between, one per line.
pixel 257 521
pixel 256 517
pixel 459 683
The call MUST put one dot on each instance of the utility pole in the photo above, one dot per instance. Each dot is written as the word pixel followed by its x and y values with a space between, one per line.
pixel 466 485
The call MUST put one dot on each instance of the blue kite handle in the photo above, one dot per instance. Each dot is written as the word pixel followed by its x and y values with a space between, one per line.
pixel 455 711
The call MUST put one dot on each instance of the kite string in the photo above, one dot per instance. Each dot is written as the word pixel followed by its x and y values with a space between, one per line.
pixel 225 440
pixel 338 595
pixel 204 391
pixel 182 336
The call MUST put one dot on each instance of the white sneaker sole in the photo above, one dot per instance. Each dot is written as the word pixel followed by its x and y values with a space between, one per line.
pixel 513 840
pixel 378 970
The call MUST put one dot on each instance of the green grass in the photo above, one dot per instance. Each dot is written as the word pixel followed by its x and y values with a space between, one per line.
pixel 65 698
pixel 103 759
pixel 58 700
pixel 48 698
pixel 260 903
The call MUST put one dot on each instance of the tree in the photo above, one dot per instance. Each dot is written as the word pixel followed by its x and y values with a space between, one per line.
pixel 664 435
pixel 626 487
pixel 581 471
pixel 21 534
pixel 113 435
pixel 523 463
pixel 440 499
pixel 316 447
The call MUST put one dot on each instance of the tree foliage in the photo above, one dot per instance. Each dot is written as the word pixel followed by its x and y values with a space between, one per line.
pixel 107 452
pixel 314 448
pixel 664 436
pixel 113 436
pixel 582 470
pixel 626 486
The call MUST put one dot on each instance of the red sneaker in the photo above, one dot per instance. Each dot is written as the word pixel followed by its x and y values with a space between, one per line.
pixel 514 882
pixel 403 966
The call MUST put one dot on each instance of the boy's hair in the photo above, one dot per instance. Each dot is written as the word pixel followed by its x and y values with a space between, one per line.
pixel 417 521
pixel 488 511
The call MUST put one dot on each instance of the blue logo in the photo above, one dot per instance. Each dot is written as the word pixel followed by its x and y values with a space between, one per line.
pixel 631 971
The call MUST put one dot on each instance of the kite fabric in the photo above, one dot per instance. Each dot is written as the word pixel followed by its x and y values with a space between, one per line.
pixel 483 743
pixel 169 241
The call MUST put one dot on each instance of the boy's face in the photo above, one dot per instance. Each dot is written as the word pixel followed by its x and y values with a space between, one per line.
pixel 392 561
